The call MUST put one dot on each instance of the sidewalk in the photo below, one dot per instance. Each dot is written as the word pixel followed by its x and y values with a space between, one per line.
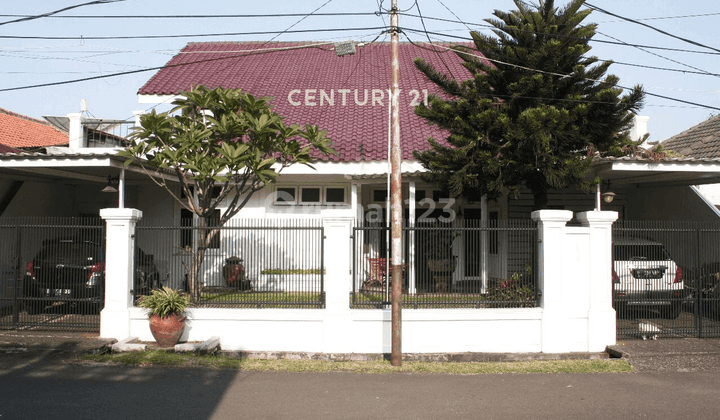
pixel 65 344
pixel 663 355
pixel 670 354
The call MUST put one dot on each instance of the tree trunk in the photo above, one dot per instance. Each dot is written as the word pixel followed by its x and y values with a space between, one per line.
pixel 540 199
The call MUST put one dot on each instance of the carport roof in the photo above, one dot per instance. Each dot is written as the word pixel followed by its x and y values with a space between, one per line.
pixel 629 170
pixel 95 167
pixel 618 170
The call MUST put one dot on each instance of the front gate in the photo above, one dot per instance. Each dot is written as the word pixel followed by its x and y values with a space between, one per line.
pixel 52 273
pixel 666 279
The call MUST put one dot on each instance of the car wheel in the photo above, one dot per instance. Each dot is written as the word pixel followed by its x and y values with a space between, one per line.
pixel 34 307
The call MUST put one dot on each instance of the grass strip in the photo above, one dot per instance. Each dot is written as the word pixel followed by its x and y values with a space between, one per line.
pixel 182 360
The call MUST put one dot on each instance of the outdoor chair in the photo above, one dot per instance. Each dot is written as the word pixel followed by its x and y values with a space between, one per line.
pixel 375 275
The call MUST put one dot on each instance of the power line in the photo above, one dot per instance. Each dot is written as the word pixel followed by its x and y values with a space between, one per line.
pixel 453 13
pixel 662 56
pixel 303 18
pixel 271 15
pixel 689 41
pixel 26 18
pixel 556 35
pixel 85 79
pixel 668 17
pixel 564 75
pixel 80 38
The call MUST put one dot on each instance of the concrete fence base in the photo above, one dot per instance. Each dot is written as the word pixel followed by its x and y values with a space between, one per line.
pixel 575 315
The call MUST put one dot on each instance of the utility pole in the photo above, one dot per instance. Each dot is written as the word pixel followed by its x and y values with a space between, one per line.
pixel 395 196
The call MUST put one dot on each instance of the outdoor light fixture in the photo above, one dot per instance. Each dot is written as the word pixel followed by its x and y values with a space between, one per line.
pixel 608 197
pixel 113 182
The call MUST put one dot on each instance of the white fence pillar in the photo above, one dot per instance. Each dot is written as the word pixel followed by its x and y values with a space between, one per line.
pixel 601 315
pixel 574 276
pixel 555 326
pixel 119 247
pixel 338 282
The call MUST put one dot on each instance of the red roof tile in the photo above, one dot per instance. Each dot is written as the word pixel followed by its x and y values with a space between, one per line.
pixel 20 131
pixel 347 96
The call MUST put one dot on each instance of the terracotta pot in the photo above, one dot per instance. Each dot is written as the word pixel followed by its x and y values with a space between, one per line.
pixel 442 266
pixel 167 331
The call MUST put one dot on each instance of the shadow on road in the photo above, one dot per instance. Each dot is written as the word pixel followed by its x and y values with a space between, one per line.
pixel 36 382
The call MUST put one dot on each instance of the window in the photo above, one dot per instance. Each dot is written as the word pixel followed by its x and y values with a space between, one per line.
pixel 187 232
pixel 310 195
pixel 419 195
pixel 306 195
pixel 334 195
pixel 380 196
pixel 285 195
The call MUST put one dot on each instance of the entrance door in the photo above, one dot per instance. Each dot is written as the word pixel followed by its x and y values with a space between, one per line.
pixel 481 257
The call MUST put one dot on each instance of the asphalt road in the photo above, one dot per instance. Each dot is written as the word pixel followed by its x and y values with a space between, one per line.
pixel 37 385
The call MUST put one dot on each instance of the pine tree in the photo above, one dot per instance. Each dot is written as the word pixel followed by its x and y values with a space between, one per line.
pixel 533 114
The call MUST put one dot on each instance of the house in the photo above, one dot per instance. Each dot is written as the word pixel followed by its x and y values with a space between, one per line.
pixel 701 142
pixel 347 96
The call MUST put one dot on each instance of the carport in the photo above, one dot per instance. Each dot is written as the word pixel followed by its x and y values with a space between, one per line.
pixel 663 207
pixel 44 197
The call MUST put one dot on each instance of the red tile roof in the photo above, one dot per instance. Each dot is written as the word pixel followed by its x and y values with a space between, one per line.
pixel 20 131
pixel 699 141
pixel 347 96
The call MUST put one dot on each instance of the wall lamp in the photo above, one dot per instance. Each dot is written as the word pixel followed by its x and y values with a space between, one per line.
pixel 607 196
pixel 112 184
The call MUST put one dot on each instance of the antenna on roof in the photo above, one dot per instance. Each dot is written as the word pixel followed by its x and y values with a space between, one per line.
pixel 83 105
pixel 344 48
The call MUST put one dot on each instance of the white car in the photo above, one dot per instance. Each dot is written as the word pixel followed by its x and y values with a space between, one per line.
pixel 645 276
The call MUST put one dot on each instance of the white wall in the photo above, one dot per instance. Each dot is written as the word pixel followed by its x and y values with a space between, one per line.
pixel 576 312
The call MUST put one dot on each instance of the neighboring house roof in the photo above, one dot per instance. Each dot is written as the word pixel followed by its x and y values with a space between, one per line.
pixel 7 149
pixel 21 131
pixel 700 141
pixel 347 96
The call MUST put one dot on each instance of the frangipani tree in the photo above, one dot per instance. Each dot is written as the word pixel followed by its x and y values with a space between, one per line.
pixel 223 145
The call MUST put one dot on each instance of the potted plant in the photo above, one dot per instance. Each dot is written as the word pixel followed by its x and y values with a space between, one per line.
pixel 438 249
pixel 439 256
pixel 167 319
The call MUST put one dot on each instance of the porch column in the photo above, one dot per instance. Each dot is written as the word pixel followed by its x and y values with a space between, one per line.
pixel 119 268
pixel 551 235
pixel 484 243
pixel 411 238
pixel 601 315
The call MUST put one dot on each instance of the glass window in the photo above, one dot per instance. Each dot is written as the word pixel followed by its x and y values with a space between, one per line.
pixel 310 195
pixel 335 195
pixel 285 195
pixel 380 196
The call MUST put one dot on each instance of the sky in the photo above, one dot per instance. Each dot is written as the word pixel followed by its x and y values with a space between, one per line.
pixel 31 53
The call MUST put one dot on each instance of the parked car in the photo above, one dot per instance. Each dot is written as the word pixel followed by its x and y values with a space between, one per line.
pixel 644 276
pixel 147 276
pixel 72 271
pixel 68 270
pixel 704 284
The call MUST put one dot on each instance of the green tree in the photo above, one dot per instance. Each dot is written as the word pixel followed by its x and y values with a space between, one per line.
pixel 223 145
pixel 533 114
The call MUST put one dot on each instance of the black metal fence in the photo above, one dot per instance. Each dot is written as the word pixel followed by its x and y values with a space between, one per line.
pixel 52 273
pixel 666 279
pixel 249 263
pixel 459 264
